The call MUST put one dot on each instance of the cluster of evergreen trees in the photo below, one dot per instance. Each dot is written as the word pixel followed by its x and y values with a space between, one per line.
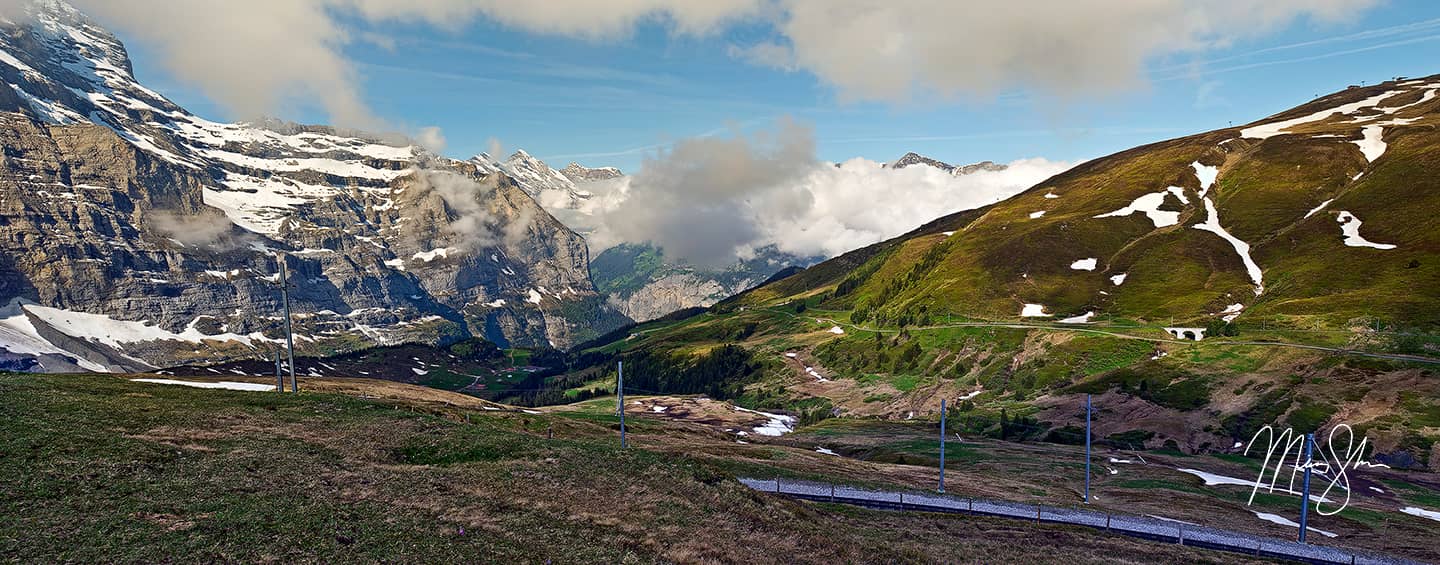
pixel 720 373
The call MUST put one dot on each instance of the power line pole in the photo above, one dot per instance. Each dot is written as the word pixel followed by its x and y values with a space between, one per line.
pixel 620 391
pixel 942 445
pixel 1305 495
pixel 285 299
pixel 279 378
pixel 1087 449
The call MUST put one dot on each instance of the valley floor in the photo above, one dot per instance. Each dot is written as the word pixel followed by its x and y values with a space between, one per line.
pixel 99 468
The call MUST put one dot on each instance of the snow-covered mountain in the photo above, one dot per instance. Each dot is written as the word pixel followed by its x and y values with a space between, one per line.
pixel 136 233
pixel 912 159
pixel 555 189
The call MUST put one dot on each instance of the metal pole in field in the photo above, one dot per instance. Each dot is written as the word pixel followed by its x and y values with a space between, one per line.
pixel 620 391
pixel 1305 492
pixel 1087 449
pixel 942 445
pixel 285 299
pixel 279 378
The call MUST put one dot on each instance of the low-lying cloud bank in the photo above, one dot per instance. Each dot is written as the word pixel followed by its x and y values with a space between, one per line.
pixel 715 200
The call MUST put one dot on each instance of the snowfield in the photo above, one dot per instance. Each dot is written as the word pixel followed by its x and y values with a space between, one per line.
pixel 1084 264
pixel 115 333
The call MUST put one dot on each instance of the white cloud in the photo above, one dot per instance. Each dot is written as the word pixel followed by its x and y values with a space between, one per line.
pixel 431 138
pixel 898 49
pixel 464 196
pixel 264 56
pixel 713 200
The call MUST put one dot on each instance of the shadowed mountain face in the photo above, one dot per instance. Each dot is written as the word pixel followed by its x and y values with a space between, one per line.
pixel 136 233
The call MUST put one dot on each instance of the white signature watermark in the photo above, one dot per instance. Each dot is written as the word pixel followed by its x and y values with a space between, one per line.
pixel 1330 463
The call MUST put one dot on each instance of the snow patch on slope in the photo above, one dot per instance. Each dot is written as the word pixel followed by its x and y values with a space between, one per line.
pixel 1207 175
pixel 779 424
pixel 1350 228
pixel 1371 144
pixel 1268 130
pixel 225 385
pixel 1317 209
pixel 1148 204
pixel 1212 225
pixel 1421 512
pixel 1033 311
pixel 1283 521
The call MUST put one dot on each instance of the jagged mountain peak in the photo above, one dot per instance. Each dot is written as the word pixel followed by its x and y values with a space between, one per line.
pixel 913 158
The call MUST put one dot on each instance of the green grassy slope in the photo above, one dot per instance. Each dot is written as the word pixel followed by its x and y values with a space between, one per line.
pixel 925 315
pixel 98 469
pixel 1002 258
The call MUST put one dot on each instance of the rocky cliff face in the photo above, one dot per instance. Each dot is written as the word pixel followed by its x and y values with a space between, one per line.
pixel 135 233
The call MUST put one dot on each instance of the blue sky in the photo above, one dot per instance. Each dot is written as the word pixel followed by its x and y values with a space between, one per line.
pixel 611 102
